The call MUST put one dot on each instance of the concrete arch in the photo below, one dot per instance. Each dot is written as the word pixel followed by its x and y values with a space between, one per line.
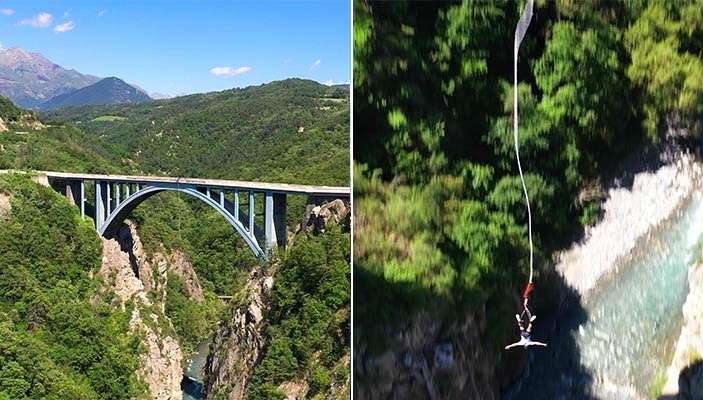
pixel 124 208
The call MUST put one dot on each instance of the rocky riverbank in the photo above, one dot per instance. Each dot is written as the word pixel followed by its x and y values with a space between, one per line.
pixel 629 214
pixel 684 378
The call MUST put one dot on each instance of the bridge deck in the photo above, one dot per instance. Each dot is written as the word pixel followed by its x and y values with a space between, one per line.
pixel 342 191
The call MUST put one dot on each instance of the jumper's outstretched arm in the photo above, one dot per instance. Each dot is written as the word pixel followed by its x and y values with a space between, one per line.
pixel 533 343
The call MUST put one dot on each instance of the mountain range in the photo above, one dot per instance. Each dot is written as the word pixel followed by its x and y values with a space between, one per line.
pixel 33 81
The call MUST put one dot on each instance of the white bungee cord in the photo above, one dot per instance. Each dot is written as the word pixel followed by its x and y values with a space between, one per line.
pixel 525 319
pixel 520 31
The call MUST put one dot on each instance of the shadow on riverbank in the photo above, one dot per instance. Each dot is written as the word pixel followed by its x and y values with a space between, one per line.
pixel 192 388
pixel 429 347
pixel 690 383
pixel 555 372
pixel 649 158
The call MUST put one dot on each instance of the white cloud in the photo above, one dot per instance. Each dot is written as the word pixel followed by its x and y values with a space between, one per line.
pixel 229 71
pixel 159 96
pixel 101 13
pixel 331 82
pixel 316 64
pixel 287 61
pixel 65 27
pixel 41 20
pixel 6 11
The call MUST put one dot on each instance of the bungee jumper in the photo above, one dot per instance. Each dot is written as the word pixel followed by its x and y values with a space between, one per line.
pixel 525 319
pixel 525 334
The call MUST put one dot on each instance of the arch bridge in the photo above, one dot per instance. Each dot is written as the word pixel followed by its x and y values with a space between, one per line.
pixel 115 196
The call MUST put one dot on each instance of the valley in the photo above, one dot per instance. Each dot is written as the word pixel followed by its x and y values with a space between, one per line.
pixel 166 274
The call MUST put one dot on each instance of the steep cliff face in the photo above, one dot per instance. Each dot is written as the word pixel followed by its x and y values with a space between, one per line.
pixel 160 363
pixel 239 340
pixel 5 205
pixel 132 275
pixel 117 273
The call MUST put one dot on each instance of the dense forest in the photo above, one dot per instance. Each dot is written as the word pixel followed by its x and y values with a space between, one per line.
pixel 290 131
pixel 61 338
pixel 440 219
pixel 254 133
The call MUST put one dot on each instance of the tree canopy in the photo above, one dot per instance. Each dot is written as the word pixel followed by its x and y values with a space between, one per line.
pixel 440 217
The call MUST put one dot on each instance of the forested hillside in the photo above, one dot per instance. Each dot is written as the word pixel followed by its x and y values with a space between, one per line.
pixel 293 131
pixel 309 324
pixel 26 143
pixel 61 339
pixel 441 221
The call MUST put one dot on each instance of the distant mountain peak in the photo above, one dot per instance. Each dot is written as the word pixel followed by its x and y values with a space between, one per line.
pixel 28 78
pixel 16 56
pixel 110 90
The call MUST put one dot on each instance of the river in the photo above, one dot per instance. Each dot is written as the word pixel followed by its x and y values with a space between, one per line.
pixel 619 342
pixel 193 375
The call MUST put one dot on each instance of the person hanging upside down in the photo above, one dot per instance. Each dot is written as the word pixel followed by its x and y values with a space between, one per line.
pixel 525 334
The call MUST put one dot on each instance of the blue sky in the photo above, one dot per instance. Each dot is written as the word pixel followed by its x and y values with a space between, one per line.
pixel 177 47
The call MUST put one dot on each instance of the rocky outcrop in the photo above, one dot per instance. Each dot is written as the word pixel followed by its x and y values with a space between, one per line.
pixel 151 271
pixel 294 390
pixel 318 217
pixel 656 195
pixel 427 358
pixel 25 121
pixel 28 121
pixel 160 362
pixel 116 271
pixel 131 244
pixel 5 205
pixel 238 342
pixel 685 375
pixel 181 266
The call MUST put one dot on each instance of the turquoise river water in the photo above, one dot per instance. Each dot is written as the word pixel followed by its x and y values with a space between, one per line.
pixel 615 344
pixel 193 375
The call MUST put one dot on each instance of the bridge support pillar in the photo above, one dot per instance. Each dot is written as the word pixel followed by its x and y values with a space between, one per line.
pixel 73 192
pixel 101 203
pixel 275 220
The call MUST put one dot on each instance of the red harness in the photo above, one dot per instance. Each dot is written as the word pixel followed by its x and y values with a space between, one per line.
pixel 528 289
